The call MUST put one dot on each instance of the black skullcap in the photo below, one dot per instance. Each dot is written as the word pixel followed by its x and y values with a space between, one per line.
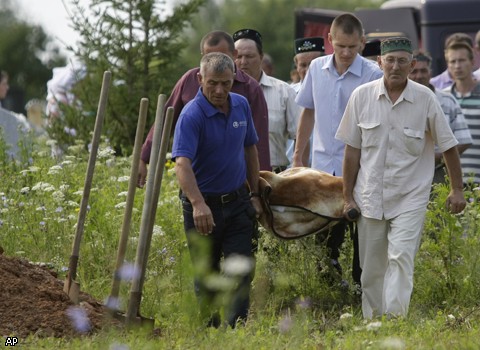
pixel 248 34
pixel 309 45
pixel 372 48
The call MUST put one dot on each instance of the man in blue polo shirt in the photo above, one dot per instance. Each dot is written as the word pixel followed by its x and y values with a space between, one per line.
pixel 214 148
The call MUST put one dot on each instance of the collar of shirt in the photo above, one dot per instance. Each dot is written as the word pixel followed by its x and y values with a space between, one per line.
pixel 355 68
pixel 265 80
pixel 208 109
pixel 407 93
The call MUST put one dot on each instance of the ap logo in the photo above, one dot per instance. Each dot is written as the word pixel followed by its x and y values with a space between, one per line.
pixel 11 341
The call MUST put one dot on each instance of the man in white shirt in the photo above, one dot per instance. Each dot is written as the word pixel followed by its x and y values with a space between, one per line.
pixel 390 128
pixel 283 112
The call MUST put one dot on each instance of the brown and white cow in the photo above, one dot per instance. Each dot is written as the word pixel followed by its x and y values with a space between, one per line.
pixel 300 201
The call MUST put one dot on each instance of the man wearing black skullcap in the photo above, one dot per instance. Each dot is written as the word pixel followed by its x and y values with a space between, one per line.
pixel 283 112
pixel 390 127
pixel 306 50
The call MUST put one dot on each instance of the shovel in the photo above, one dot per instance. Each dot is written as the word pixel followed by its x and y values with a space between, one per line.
pixel 122 245
pixel 72 287
pixel 113 298
pixel 148 217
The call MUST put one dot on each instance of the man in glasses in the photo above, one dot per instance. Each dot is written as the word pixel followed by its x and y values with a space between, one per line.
pixel 187 87
pixel 390 127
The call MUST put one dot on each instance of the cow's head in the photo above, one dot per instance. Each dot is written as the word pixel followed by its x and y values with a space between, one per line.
pixel 300 201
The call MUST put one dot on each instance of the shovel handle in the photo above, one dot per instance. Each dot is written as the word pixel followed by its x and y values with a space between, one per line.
pixel 89 175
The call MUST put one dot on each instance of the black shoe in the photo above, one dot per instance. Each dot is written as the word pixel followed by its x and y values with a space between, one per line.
pixel 214 321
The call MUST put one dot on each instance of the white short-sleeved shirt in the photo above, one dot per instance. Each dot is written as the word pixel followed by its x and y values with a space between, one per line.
pixel 397 146
pixel 327 92
pixel 283 114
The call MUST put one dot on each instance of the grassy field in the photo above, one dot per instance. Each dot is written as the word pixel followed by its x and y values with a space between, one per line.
pixel 294 306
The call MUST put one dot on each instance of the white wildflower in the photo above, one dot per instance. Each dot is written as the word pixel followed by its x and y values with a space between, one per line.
pixel 393 343
pixel 64 187
pixel 49 189
pixel 33 169
pixel 25 190
pixel 43 186
pixel 66 162
pixel 238 265
pixel 106 152
pixel 121 205
pixel 373 326
pixel 346 316
pixel 51 142
pixel 55 169
pixel 58 196
pixel 123 178
pixel 72 204
pixel 158 231
pixel 122 194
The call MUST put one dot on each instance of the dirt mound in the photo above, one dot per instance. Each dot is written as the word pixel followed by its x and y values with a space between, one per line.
pixel 32 301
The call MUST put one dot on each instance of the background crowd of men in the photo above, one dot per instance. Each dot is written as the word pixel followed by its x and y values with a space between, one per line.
pixel 357 113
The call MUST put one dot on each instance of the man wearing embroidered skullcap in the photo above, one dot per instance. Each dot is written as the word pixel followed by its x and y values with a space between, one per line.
pixel 283 112
pixel 325 90
pixel 390 127
pixel 306 50
pixel 421 73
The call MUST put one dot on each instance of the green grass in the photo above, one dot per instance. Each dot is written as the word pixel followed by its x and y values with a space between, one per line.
pixel 293 307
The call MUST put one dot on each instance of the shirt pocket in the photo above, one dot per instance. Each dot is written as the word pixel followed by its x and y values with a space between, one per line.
pixel 370 134
pixel 414 141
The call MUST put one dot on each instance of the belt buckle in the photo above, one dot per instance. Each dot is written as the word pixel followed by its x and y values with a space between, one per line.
pixel 229 197
pixel 225 198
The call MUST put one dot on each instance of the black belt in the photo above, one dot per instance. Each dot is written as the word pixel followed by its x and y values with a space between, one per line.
pixel 224 198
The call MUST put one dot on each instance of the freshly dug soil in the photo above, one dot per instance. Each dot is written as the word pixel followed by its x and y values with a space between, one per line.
pixel 32 302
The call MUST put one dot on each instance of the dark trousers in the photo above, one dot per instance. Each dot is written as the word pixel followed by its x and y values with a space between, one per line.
pixel 335 240
pixel 232 235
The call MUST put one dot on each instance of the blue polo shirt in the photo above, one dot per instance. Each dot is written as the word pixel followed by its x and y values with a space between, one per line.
pixel 215 142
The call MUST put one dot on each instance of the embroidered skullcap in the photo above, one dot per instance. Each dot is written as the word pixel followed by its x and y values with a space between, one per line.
pixel 248 34
pixel 396 44
pixel 309 45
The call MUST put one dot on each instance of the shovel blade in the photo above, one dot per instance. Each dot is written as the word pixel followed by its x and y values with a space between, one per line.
pixel 72 289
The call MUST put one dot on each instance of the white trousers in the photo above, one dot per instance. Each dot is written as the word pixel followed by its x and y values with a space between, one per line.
pixel 387 251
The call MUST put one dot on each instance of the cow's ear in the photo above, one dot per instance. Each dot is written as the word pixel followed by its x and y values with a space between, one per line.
pixel 263 186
